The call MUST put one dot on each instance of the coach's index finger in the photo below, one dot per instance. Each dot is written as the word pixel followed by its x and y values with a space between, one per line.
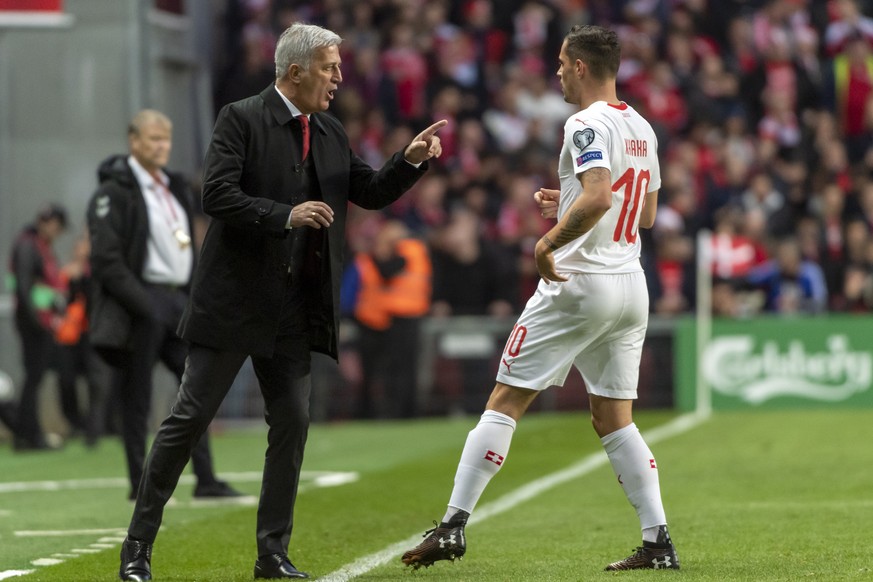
pixel 434 128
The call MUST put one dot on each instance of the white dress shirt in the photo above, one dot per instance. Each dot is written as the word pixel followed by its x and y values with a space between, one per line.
pixel 168 261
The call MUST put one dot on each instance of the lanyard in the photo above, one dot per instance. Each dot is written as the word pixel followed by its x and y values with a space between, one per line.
pixel 166 200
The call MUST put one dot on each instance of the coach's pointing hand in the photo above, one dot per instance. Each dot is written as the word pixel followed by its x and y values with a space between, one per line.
pixel 426 144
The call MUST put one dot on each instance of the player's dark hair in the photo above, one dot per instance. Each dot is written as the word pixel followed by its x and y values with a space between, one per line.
pixel 597 47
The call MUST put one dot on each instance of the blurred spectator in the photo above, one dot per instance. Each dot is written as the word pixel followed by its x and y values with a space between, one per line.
pixel 675 275
pixel 848 88
pixel 742 58
pixel 423 208
pixel 471 276
pixel 406 68
pixel 387 290
pixel 505 122
pixel 490 43
pixel 762 195
pixel 519 226
pixel 830 209
pixel 545 110
pixel 76 355
pixel 791 283
pixel 725 302
pixel 733 255
pixel 661 99
pixel 858 289
pixel 847 21
pixel 777 93
pixel 35 277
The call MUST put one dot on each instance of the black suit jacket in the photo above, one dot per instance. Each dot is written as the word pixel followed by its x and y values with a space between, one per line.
pixel 118 226
pixel 250 174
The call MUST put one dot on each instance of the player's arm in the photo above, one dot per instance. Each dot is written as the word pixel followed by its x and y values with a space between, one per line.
pixel 592 204
pixel 649 210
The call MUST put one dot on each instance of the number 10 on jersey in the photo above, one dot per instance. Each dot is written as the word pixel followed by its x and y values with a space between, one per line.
pixel 634 185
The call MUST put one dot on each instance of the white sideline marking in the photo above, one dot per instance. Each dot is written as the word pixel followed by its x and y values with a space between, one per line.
pixel 321 479
pixel 194 503
pixel 14 573
pixel 46 562
pixel 525 492
pixel 40 533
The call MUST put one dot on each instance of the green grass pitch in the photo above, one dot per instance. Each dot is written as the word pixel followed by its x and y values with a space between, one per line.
pixel 749 496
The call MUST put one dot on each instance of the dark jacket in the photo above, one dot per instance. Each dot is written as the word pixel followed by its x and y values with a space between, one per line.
pixel 118 225
pixel 249 180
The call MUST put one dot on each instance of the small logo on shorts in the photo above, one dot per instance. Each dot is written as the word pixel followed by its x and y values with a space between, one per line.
pixel 508 366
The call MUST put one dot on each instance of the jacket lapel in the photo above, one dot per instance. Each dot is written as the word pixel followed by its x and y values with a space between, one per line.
pixel 275 105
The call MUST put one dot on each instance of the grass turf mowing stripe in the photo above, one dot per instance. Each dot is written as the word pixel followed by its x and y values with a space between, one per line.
pixel 528 491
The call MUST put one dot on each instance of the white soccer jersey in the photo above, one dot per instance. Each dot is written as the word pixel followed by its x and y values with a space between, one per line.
pixel 617 138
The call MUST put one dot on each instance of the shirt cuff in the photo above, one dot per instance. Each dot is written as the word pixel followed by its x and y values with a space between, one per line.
pixel 288 222
pixel 411 164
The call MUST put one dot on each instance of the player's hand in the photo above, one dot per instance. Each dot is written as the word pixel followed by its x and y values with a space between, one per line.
pixel 313 213
pixel 426 144
pixel 547 200
pixel 546 263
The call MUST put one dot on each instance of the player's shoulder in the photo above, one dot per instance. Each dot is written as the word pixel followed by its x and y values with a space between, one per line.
pixel 586 120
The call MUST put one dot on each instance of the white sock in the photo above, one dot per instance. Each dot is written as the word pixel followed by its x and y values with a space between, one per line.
pixel 635 467
pixel 484 453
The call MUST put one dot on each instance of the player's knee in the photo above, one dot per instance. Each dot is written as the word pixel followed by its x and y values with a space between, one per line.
pixel 597 423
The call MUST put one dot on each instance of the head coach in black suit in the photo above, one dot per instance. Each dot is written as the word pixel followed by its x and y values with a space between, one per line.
pixel 277 178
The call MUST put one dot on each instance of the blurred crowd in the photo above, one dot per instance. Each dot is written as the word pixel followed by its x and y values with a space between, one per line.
pixel 763 109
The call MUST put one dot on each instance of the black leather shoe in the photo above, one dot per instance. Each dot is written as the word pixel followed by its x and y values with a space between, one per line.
pixel 277 566
pixel 215 489
pixel 136 560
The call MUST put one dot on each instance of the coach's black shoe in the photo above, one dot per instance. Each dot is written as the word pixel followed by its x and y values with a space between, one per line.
pixel 659 555
pixel 444 542
pixel 136 560
pixel 214 490
pixel 275 566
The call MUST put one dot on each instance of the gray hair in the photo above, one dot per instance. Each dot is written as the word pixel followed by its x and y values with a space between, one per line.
pixel 147 117
pixel 297 44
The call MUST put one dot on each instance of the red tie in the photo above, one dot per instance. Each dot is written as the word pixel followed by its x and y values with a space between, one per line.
pixel 304 124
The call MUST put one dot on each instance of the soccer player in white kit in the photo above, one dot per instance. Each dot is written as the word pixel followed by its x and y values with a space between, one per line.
pixel 590 308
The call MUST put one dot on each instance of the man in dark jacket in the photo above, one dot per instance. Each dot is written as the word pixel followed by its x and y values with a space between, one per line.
pixel 278 176
pixel 140 225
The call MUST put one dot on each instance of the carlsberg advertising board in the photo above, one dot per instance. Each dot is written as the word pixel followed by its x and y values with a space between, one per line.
pixel 779 363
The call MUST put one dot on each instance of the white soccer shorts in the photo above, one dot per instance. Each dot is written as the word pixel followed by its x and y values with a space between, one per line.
pixel 595 321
